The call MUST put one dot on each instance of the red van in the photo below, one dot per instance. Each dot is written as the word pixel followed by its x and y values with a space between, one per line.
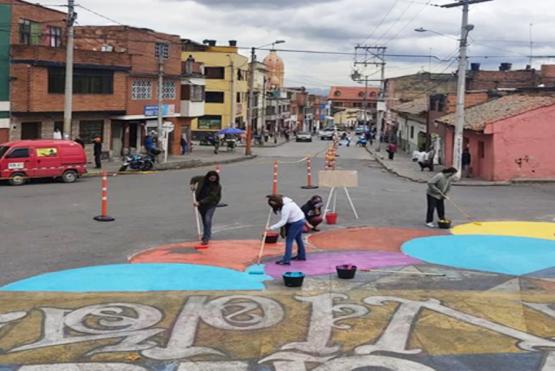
pixel 25 159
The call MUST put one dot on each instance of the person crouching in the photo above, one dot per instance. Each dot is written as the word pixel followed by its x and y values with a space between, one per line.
pixel 313 212
pixel 292 218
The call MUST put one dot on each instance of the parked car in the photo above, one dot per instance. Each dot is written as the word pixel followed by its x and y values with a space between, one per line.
pixel 303 137
pixel 26 159
pixel 327 133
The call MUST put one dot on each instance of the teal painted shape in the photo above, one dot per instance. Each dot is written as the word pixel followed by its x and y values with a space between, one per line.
pixel 141 277
pixel 499 254
pixel 5 19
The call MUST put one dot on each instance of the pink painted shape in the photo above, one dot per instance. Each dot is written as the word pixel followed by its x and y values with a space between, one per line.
pixel 324 263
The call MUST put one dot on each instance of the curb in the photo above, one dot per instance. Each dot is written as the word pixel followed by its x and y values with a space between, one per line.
pixel 190 164
pixel 465 184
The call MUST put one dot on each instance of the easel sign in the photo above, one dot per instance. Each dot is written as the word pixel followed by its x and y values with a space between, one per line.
pixel 338 178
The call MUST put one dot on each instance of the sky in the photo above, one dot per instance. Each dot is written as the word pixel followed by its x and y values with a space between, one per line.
pixel 501 34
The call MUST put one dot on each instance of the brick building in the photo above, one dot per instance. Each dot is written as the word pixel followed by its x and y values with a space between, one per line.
pixel 347 97
pixel 115 80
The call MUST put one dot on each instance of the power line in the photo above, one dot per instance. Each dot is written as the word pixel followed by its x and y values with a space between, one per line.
pixel 407 24
pixel 100 15
pixel 381 22
pixel 394 23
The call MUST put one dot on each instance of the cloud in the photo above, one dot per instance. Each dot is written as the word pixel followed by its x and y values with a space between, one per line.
pixel 258 3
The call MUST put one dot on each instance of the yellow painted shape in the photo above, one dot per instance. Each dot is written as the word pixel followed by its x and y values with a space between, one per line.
pixel 541 230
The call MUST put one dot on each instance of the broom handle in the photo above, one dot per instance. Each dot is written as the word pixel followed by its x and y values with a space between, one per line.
pixel 458 208
pixel 196 215
pixel 263 242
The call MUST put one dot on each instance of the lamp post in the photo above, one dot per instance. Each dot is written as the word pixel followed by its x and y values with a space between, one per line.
pixel 248 150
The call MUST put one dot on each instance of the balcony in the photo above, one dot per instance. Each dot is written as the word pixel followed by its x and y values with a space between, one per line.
pixel 192 109
pixel 190 68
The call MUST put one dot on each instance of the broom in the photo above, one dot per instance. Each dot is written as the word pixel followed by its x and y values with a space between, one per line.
pixel 466 215
pixel 259 268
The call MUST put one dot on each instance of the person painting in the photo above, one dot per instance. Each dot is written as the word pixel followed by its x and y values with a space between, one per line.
pixel 208 193
pixel 438 187
pixel 292 218
pixel 313 212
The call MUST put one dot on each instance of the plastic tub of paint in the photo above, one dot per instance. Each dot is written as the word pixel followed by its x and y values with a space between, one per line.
pixel 331 218
pixel 444 224
pixel 346 271
pixel 272 237
pixel 293 279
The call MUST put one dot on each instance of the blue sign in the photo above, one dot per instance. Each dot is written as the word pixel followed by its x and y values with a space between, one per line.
pixel 152 110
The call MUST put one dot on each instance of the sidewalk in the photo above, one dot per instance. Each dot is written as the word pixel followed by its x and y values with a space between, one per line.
pixel 201 156
pixel 404 167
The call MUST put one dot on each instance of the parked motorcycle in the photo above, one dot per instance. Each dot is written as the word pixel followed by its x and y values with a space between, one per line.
pixel 138 162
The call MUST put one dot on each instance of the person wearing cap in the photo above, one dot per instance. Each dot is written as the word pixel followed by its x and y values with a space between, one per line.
pixel 292 218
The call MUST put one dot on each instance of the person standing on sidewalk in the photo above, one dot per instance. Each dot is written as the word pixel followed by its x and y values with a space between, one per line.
pixel 391 149
pixel 183 143
pixel 208 193
pixel 97 150
pixel 438 187
pixel 292 218
pixel 466 161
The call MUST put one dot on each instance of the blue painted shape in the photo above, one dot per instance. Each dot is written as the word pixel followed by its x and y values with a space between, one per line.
pixel 141 277
pixel 500 254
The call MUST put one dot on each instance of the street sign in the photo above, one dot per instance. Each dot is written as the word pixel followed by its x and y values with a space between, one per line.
pixel 152 110
pixel 168 126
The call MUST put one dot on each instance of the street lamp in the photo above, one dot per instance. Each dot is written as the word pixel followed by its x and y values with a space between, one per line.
pixel 248 150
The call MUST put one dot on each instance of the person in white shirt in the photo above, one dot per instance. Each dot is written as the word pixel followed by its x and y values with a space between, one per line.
pixel 57 134
pixel 293 219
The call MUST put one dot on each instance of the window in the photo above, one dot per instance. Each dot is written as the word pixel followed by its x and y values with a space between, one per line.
pixel 19 153
pixel 85 81
pixel 215 73
pixel 214 97
pixel 241 75
pixel 3 150
pixel 239 97
pixel 161 49
pixel 90 129
pixel 194 93
pixel 25 31
pixel 54 36
pixel 411 132
pixel 168 90
pixel 141 90
pixel 212 122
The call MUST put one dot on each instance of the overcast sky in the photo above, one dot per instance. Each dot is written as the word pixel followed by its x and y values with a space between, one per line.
pixel 502 30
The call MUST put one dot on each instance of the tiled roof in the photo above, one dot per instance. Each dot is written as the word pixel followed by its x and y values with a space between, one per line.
pixel 477 117
pixel 352 93
pixel 414 107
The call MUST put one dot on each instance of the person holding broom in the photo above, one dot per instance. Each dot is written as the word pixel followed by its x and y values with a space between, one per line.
pixel 208 193
pixel 438 187
pixel 292 218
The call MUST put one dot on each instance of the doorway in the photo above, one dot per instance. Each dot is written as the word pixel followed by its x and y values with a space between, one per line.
pixel 30 130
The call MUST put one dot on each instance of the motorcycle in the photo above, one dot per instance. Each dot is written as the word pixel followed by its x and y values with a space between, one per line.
pixel 138 162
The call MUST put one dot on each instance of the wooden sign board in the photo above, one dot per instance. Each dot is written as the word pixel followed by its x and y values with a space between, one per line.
pixel 338 178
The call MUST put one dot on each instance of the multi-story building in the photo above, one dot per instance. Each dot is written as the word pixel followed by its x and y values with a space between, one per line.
pixel 226 85
pixel 115 82
pixel 277 110
pixel 346 97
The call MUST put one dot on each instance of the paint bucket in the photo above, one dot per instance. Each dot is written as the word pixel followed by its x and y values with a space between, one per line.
pixel 271 237
pixel 444 224
pixel 346 271
pixel 331 218
pixel 293 279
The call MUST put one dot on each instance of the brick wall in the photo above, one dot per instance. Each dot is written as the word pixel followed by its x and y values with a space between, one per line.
pixel 487 80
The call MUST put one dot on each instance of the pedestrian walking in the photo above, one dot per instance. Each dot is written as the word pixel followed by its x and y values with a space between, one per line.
pixel 313 212
pixel 293 220
pixel 183 143
pixel 438 187
pixel 391 150
pixel 466 161
pixel 208 193
pixel 97 150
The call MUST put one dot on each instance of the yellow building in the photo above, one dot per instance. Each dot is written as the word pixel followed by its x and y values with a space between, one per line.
pixel 226 92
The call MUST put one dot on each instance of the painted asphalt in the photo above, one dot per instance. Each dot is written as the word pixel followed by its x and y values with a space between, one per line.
pixel 544 231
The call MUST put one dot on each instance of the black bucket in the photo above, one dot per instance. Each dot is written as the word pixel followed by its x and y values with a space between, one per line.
pixel 444 224
pixel 293 279
pixel 346 271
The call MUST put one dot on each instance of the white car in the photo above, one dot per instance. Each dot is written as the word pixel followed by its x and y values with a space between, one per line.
pixel 303 137
pixel 327 134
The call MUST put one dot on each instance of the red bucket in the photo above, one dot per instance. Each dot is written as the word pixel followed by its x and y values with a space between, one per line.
pixel 331 218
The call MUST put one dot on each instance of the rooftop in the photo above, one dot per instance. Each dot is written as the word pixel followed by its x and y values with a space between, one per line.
pixel 352 92
pixel 414 107
pixel 477 117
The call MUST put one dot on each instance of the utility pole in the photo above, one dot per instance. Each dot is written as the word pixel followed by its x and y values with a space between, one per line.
pixel 373 56
pixel 233 98
pixel 461 83
pixel 248 150
pixel 68 93
pixel 161 141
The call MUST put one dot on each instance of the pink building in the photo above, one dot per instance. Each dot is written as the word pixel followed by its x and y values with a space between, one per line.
pixel 509 138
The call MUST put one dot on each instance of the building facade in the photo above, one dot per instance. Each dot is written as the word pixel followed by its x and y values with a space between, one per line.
pixel 226 95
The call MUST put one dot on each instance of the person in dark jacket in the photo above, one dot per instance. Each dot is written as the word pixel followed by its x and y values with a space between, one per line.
pixel 97 148
pixel 466 161
pixel 391 149
pixel 79 141
pixel 208 193
pixel 438 187
pixel 313 212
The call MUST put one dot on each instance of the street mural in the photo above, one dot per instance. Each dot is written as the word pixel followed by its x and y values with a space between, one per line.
pixel 421 300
